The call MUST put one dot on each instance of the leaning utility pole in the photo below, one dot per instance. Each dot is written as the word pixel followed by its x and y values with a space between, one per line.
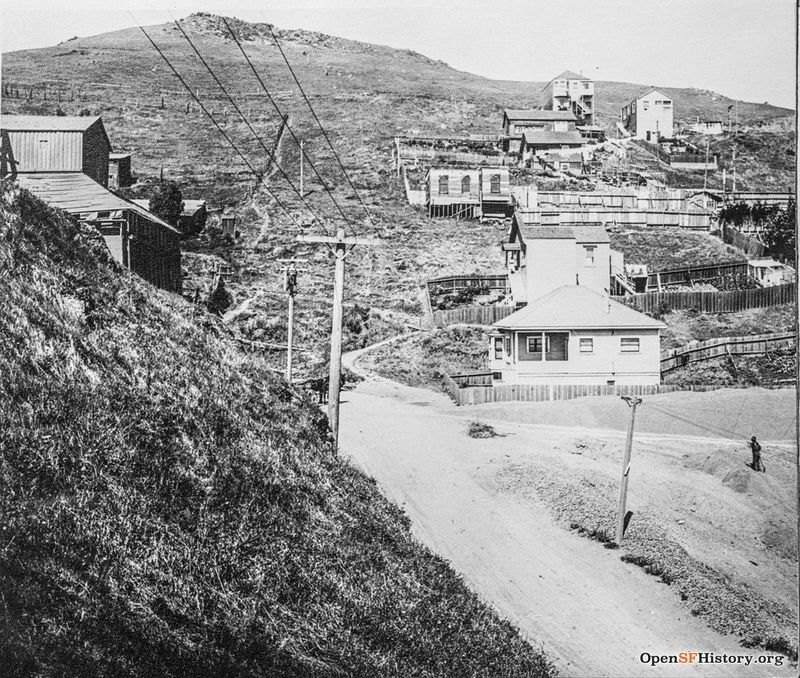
pixel 290 271
pixel 339 245
pixel 626 467
pixel 302 153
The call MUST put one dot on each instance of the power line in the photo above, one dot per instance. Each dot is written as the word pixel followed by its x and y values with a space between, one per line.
pixel 246 121
pixel 255 173
pixel 322 129
pixel 281 114
pixel 730 435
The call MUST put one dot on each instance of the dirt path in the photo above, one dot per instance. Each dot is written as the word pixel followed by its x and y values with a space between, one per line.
pixel 593 614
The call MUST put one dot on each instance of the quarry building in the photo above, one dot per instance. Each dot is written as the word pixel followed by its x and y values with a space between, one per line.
pixel 64 161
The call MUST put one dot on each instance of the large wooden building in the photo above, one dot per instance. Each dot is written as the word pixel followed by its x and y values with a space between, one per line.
pixel 64 161
pixel 55 144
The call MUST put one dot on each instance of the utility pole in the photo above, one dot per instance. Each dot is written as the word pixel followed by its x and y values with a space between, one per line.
pixel 633 402
pixel 705 174
pixel 339 245
pixel 302 153
pixel 290 272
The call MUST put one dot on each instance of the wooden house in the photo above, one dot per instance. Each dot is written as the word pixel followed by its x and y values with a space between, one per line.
pixel 137 239
pixel 227 223
pixel 517 122
pixel 649 116
pixel 453 192
pixel 119 170
pixel 576 335
pixel 571 91
pixel 540 142
pixel 768 272
pixel 55 144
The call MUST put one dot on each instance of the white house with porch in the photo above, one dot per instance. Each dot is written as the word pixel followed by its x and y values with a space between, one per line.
pixel 576 335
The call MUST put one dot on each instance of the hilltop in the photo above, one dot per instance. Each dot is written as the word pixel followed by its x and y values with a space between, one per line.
pixel 172 508
pixel 364 94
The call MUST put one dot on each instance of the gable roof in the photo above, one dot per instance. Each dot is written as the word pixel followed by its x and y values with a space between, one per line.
pixel 580 234
pixel 570 75
pixel 543 137
pixel 48 123
pixel 575 307
pixel 74 192
pixel 52 123
pixel 537 114
pixel 650 91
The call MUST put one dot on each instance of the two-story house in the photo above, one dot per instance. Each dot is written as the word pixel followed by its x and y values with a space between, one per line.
pixel 649 116
pixel 567 329
pixel 517 122
pixel 571 92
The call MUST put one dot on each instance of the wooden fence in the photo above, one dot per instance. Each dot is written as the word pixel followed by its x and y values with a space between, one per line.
pixel 478 395
pixel 682 276
pixel 714 348
pixel 457 282
pixel 711 302
pixel 470 315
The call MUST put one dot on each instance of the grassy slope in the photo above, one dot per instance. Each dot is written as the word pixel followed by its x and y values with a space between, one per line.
pixel 170 508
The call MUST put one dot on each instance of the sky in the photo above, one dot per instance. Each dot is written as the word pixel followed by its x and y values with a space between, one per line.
pixel 744 49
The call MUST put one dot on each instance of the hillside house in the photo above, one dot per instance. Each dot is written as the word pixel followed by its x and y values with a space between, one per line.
pixel 55 144
pixel 649 116
pixel 768 272
pixel 517 122
pixel 576 335
pixel 466 193
pixel 543 142
pixel 571 92
pixel 541 258
pixel 137 239
pixel 119 170
pixel 572 163
pixel 707 126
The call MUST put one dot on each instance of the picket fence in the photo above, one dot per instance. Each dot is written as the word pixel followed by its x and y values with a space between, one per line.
pixel 714 348
pixel 479 395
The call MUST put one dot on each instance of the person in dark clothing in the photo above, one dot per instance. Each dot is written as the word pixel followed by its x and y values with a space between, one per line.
pixel 757 464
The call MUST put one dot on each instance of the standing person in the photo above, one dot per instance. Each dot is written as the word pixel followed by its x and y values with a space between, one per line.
pixel 757 464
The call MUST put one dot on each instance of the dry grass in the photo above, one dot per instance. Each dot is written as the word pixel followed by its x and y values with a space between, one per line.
pixel 171 508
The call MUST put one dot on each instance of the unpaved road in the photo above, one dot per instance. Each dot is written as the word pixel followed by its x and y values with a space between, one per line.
pixel 592 614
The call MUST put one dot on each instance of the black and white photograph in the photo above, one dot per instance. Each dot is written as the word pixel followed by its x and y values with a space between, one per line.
pixel 399 339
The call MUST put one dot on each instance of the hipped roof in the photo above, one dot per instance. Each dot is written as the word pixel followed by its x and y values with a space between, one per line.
pixel 575 307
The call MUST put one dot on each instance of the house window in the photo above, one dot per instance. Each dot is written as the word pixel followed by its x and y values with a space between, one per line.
pixel 589 251
pixel 535 344
pixel 507 345
pixel 645 105
pixel 498 348
pixel 495 183
pixel 465 184
pixel 667 104
pixel 629 344
pixel 587 345
pixel 444 184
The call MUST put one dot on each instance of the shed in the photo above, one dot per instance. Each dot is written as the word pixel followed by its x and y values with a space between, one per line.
pixel 136 238
pixel 53 143
pixel 537 142
pixel 119 170
pixel 768 272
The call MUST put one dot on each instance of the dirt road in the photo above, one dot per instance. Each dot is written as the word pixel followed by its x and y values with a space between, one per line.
pixel 593 614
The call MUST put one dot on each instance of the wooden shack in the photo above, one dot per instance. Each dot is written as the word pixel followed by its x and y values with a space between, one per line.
pixel 55 144
pixel 495 192
pixel 137 239
pixel 119 170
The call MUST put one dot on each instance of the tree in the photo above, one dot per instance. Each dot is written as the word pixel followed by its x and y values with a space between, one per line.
pixel 167 202
pixel 779 233
pixel 220 299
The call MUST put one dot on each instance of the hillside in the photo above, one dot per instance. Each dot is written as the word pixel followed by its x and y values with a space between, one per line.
pixel 171 508
pixel 364 95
